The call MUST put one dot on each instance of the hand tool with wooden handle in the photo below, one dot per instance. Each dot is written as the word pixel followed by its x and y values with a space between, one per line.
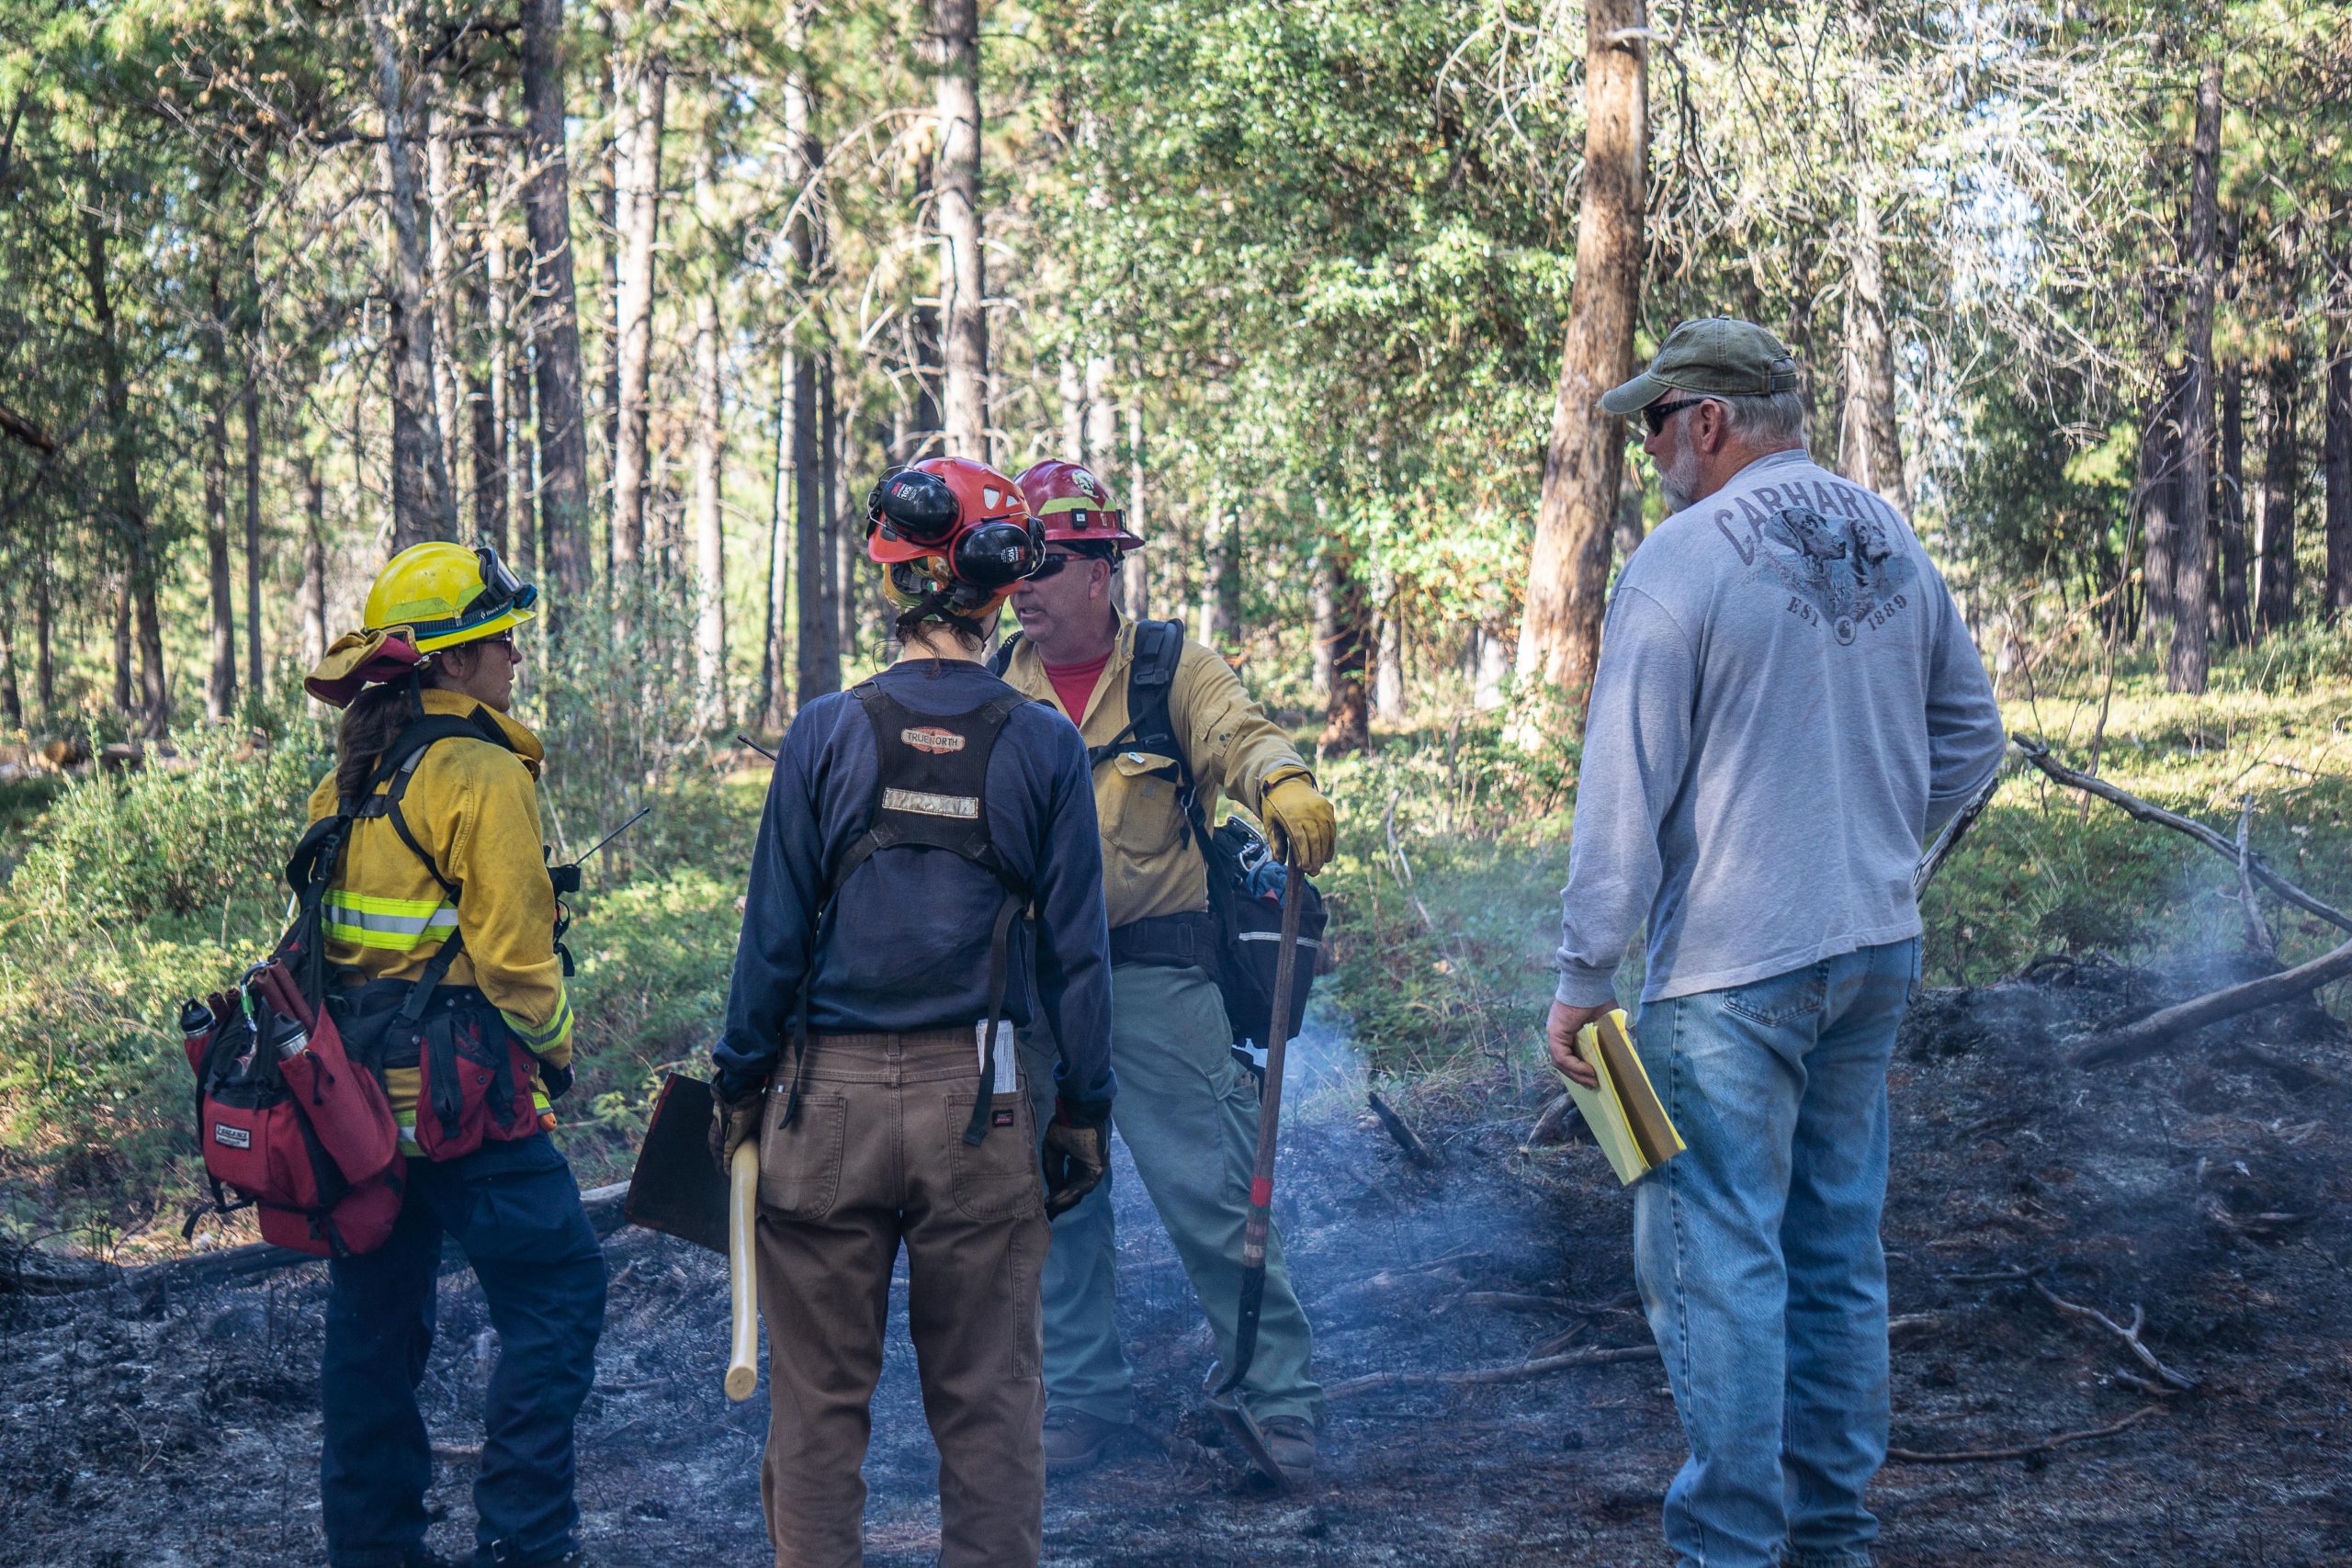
pixel 1259 1224
pixel 743 1277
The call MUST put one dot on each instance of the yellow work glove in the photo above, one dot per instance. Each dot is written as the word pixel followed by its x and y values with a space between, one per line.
pixel 1297 815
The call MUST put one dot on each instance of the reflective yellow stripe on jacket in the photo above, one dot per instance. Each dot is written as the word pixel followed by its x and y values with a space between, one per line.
pixel 397 924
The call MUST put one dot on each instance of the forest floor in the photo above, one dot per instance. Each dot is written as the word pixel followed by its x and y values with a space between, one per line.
pixel 2209 1188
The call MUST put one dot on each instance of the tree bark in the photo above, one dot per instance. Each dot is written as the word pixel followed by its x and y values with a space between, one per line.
pixel 45 640
pixel 1567 574
pixel 2237 619
pixel 310 599
pixel 2186 662
pixel 12 699
pixel 441 255
pixel 817 666
pixel 644 81
pixel 138 593
pixel 710 540
pixel 776 704
pixel 2275 539
pixel 953 47
pixel 1869 449
pixel 1388 679
pixel 256 673
pixel 1138 570
pixel 1347 720
pixel 2336 442
pixel 1324 623
pixel 421 504
pixel 220 677
pixel 1072 388
pixel 486 381
pixel 838 570
pixel 2158 489
pixel 554 317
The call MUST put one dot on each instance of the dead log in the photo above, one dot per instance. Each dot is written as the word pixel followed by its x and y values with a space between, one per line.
pixel 1420 1153
pixel 2025 1450
pixel 1552 1126
pixel 2039 755
pixel 2167 1025
pixel 1376 1382
pixel 602 1203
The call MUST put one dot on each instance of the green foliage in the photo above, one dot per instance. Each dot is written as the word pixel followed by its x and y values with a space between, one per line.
pixel 189 835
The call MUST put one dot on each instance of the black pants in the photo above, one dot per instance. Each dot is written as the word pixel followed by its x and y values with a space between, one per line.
pixel 515 1211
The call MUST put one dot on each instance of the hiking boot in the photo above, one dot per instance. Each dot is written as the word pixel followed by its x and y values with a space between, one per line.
pixel 1076 1441
pixel 1291 1441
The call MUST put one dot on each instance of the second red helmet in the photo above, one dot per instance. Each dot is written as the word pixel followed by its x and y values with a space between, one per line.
pixel 1075 507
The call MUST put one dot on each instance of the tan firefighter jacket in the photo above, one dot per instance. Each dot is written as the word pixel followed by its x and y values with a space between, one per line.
pixel 1234 748
pixel 474 806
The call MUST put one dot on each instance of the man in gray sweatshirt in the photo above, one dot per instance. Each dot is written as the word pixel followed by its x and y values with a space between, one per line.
pixel 1787 707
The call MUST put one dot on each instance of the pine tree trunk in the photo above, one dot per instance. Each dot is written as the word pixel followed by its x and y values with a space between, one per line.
pixel 830 532
pixel 710 541
pixel 818 667
pixel 1072 386
pixel 1870 449
pixel 2336 441
pixel 775 709
pixel 2158 489
pixel 256 673
pixel 1138 570
pixel 1346 721
pixel 122 658
pixel 220 678
pixel 2237 618
pixel 486 365
pixel 310 599
pixel 440 255
pixel 2274 568
pixel 643 84
pixel 11 700
pixel 45 640
pixel 554 326
pixel 1568 572
pixel 953 54
pixel 421 504
pixel 1323 620
pixel 1388 679
pixel 2186 662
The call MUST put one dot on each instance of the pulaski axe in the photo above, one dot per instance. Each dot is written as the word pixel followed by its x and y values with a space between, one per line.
pixel 676 1190
pixel 1223 1399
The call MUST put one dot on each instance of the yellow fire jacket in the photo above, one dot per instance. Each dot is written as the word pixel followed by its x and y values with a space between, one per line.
pixel 474 807
pixel 1147 867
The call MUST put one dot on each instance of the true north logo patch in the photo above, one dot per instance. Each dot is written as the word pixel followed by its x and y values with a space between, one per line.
pixel 235 1137
pixel 938 742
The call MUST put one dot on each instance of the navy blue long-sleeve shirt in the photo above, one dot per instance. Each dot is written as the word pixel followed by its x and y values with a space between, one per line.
pixel 909 945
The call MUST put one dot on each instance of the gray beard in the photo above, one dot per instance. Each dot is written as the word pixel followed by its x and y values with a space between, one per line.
pixel 1676 481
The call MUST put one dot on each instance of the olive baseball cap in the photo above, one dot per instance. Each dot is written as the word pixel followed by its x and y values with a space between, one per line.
pixel 1714 354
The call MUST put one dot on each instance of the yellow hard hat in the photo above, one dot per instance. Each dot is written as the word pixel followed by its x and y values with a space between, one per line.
pixel 445 594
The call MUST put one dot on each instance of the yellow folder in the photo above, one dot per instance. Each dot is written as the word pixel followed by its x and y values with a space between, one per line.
pixel 1626 1119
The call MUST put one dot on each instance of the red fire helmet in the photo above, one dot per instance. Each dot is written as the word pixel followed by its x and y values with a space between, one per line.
pixel 1076 507
pixel 951 525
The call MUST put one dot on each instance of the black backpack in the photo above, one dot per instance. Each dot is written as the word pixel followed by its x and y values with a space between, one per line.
pixel 1245 879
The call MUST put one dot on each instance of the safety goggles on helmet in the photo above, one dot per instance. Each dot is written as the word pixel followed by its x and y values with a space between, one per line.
pixel 500 589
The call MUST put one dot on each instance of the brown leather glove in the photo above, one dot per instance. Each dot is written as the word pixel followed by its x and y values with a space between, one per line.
pixel 1078 1153
pixel 732 1121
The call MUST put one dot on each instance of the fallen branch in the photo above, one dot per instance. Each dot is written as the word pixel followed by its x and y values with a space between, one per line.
pixel 2024 1451
pixel 1552 1126
pixel 1420 1153
pixel 2163 1027
pixel 2258 932
pixel 1376 1382
pixel 2039 755
pixel 2130 1337
pixel 602 1203
pixel 1949 839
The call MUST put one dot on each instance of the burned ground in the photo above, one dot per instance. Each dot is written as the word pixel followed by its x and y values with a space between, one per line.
pixel 147 1426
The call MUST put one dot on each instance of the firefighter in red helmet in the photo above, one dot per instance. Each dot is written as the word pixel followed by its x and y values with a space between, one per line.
pixel 1187 1109
pixel 927 863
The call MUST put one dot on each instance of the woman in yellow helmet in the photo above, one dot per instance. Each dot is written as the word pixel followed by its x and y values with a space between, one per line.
pixel 441 924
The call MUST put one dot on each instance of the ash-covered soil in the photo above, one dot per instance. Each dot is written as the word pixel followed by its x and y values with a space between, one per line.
pixel 2208 1188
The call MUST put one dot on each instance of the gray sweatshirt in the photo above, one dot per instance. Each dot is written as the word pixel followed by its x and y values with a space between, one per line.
pixel 1788 705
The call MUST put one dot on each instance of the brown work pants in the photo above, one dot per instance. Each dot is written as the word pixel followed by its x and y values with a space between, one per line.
pixel 876 1157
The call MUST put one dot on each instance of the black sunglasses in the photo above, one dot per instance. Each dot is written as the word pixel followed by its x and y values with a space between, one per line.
pixel 1656 415
pixel 1054 564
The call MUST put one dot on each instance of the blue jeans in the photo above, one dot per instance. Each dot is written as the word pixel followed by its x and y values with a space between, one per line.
pixel 1758 1258
pixel 515 1211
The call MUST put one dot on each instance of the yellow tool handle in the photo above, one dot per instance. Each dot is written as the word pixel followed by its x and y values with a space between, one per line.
pixel 742 1280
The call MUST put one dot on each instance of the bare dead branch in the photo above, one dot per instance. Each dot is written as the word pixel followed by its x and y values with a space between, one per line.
pixel 1551 1127
pixel 2258 932
pixel 1939 852
pixel 2130 1337
pixel 1543 1366
pixel 2024 1451
pixel 1417 1151
pixel 2166 1026
pixel 2039 755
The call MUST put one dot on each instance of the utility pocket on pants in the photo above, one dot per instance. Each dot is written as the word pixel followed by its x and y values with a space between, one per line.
pixel 1781 999
pixel 800 1165
pixel 999 1179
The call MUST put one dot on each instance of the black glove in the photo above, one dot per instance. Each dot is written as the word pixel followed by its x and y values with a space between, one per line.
pixel 733 1119
pixel 557 1080
pixel 1078 1153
